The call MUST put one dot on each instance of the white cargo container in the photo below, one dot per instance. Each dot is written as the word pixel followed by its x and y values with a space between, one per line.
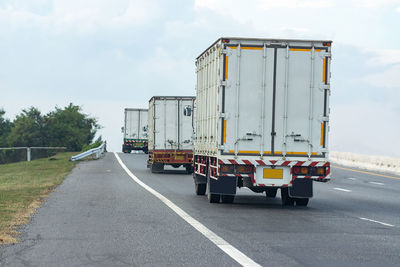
pixel 262 118
pixel 171 132
pixel 135 130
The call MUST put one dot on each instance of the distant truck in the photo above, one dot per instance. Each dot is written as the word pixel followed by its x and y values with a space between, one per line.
pixel 135 130
pixel 262 118
pixel 171 132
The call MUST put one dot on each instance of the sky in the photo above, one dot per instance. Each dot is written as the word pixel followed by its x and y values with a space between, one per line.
pixel 107 55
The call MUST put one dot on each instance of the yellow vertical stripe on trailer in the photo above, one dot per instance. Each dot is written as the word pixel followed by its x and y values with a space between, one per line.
pixel 323 70
pixel 224 131
pixel 322 134
pixel 226 67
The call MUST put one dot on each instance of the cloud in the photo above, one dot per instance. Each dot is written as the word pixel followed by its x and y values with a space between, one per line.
pixel 386 66
pixel 389 78
pixel 81 16
pixel 221 5
pixel 383 57
pixel 367 128
pixel 374 3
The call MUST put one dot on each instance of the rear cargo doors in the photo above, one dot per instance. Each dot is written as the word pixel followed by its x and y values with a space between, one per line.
pixel 274 99
pixel 173 126
pixel 143 124
pixel 301 100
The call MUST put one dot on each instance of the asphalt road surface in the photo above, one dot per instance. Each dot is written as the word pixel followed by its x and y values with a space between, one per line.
pixel 100 216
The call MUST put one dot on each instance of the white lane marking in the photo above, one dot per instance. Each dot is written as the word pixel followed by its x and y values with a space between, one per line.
pixel 370 220
pixel 342 189
pixel 376 183
pixel 351 178
pixel 233 252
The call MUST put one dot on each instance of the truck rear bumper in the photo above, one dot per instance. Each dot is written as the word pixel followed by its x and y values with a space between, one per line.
pixel 134 144
pixel 170 157
pixel 274 173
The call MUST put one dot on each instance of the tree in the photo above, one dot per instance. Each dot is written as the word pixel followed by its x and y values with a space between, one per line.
pixel 28 129
pixel 71 128
pixel 5 129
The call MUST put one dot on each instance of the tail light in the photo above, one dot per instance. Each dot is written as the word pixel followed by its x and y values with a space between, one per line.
pixel 311 171
pixel 244 169
pixel 236 169
pixel 318 171
pixel 227 168
pixel 326 44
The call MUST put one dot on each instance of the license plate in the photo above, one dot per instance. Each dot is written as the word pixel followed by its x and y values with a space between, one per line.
pixel 273 173
pixel 179 157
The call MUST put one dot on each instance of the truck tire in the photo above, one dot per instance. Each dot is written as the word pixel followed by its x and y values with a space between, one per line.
pixel 286 199
pixel 271 192
pixel 189 169
pixel 176 165
pixel 200 189
pixel 157 168
pixel 227 198
pixel 302 202
pixel 213 198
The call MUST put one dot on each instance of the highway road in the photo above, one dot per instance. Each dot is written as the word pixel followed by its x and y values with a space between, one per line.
pixel 102 216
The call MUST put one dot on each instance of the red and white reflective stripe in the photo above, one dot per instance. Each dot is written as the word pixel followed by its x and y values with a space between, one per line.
pixel 274 162
pixel 236 175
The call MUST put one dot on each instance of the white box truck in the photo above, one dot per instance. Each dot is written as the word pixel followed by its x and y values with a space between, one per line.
pixel 135 130
pixel 171 132
pixel 262 113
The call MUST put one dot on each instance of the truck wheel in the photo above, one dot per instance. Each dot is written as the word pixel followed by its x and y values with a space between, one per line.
pixel 176 165
pixel 302 201
pixel 157 168
pixel 200 189
pixel 189 169
pixel 286 199
pixel 271 192
pixel 213 198
pixel 227 198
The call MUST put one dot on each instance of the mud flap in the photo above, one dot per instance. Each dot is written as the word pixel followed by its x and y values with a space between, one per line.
pixel 224 185
pixel 301 188
pixel 199 179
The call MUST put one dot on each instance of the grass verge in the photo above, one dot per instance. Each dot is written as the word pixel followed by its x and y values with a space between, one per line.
pixel 23 186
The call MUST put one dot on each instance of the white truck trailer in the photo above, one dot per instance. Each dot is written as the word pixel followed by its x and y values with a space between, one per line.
pixel 135 130
pixel 171 132
pixel 262 113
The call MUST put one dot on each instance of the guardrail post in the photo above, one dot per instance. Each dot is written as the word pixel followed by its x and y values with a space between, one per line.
pixel 28 154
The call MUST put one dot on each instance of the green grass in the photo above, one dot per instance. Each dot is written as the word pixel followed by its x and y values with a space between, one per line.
pixel 24 185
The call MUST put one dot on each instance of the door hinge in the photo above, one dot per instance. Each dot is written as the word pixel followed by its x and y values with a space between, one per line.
pixel 324 86
pixel 324 118
pixel 327 54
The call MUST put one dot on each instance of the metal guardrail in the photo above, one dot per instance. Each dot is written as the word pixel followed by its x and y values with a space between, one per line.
pixel 28 149
pixel 98 152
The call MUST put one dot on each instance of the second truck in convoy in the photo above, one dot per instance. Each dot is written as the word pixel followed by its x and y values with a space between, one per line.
pixel 262 114
pixel 171 132
pixel 135 130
